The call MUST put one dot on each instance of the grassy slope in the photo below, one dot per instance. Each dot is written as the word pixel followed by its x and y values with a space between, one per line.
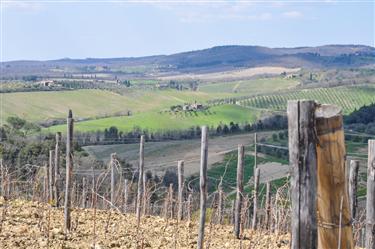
pixel 39 106
pixel 255 86
pixel 166 121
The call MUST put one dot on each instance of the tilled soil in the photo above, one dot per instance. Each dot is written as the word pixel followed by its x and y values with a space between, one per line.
pixel 25 224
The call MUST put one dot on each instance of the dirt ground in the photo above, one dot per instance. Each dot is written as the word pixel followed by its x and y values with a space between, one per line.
pixel 35 225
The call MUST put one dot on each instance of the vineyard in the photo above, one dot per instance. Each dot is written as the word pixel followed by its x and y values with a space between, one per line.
pixel 349 98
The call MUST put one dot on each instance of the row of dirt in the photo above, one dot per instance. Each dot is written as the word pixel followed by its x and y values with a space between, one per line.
pixel 27 224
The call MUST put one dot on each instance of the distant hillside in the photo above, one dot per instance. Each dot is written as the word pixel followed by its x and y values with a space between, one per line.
pixel 213 59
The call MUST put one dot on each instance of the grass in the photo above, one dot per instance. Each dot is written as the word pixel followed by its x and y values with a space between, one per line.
pixel 155 121
pixel 255 86
pixel 41 106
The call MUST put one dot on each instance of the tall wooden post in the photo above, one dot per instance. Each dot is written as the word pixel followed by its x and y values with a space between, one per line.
pixel 170 200
pixel 126 196
pixel 302 158
pixel 239 192
pixel 203 186
pixel 189 206
pixel 51 175
pixel 69 172
pixel 255 198
pixel 140 180
pixel 57 169
pixel 255 152
pixel 180 170
pixel 370 202
pixel 268 206
pixel 84 193
pixel 353 181
pixel 113 166
pixel 335 229
pixel 145 195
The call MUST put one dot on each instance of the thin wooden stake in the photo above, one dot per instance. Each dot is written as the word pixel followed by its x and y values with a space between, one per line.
pixel 239 192
pixel 180 170
pixel 69 172
pixel 113 166
pixel 57 183
pixel 126 196
pixel 221 202
pixel 370 202
pixel 140 180
pixel 203 186
pixel 255 198
pixel 268 206
pixel 353 181
pixel 51 176
pixel 84 193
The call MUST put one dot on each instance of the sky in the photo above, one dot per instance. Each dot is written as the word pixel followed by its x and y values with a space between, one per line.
pixel 53 29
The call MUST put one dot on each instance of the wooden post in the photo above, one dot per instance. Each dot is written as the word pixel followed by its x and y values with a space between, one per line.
pixel 255 198
pixel 180 170
pixel 255 152
pixel 84 192
pixel 140 180
pixel 45 184
pixel 57 169
pixel 112 165
pixel 221 202
pixel 370 202
pixel 145 195
pixel 69 172
pixel 239 192
pixel 332 187
pixel 51 175
pixel 302 158
pixel 93 189
pixel 353 181
pixel 203 186
pixel 189 206
pixel 170 200
pixel 268 206
pixel 126 196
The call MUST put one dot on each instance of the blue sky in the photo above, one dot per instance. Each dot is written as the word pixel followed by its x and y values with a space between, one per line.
pixel 80 29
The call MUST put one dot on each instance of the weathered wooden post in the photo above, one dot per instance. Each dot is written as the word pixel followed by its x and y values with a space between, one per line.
pixel 332 188
pixel 51 175
pixel 255 152
pixel 45 184
pixel 203 186
pixel 57 169
pixel 113 166
pixel 370 202
pixel 145 195
pixel 221 202
pixel 84 193
pixel 268 206
pixel 255 198
pixel 170 200
pixel 353 181
pixel 180 170
pixel 189 206
pixel 69 172
pixel 126 196
pixel 302 158
pixel 239 192
pixel 140 180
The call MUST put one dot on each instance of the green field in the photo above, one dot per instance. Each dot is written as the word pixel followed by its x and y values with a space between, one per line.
pixel 349 98
pixel 155 121
pixel 255 86
pixel 41 106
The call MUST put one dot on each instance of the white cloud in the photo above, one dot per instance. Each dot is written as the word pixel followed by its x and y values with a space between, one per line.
pixel 292 14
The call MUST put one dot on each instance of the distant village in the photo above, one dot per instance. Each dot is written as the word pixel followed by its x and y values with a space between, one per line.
pixel 188 107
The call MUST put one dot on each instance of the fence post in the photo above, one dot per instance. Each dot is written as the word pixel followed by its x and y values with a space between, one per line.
pixel 255 198
pixel 353 181
pixel 333 208
pixel 180 170
pixel 203 186
pixel 51 175
pixel 302 158
pixel 239 192
pixel 255 152
pixel 126 196
pixel 112 165
pixel 140 180
pixel 189 206
pixel 370 202
pixel 268 205
pixel 84 192
pixel 69 172
pixel 170 201
pixel 57 169
pixel 221 202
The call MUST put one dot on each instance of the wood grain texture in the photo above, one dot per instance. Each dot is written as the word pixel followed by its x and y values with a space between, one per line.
pixel 370 202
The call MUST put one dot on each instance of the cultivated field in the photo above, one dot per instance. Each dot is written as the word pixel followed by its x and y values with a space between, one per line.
pixel 164 121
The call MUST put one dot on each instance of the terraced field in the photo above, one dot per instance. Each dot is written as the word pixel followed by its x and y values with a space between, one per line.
pixel 349 98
